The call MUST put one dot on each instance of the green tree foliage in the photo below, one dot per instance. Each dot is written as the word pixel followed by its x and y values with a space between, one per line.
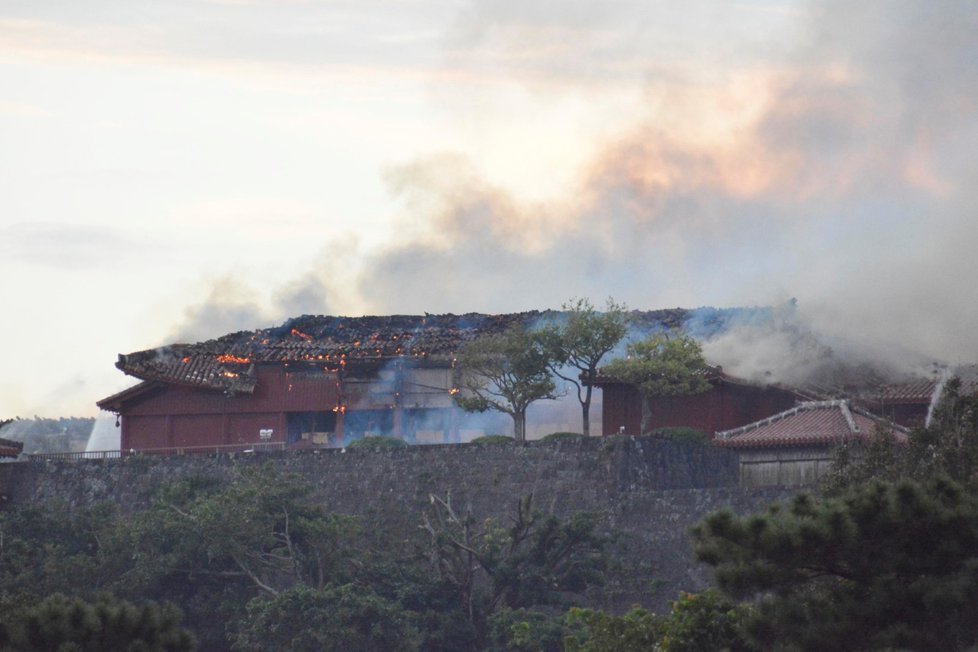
pixel 261 528
pixel 948 445
pixel 697 622
pixel 683 435
pixel 431 603
pixel 377 441
pixel 243 554
pixel 504 372
pixel 212 545
pixel 703 621
pixel 524 630
pixel 576 346
pixel 44 550
pixel 881 458
pixel 639 630
pixel 328 619
pixel 536 560
pixel 661 365
pixel 492 440
pixel 884 565
pixel 62 624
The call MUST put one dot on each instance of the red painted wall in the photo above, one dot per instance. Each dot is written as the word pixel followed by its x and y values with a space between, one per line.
pixel 184 417
pixel 909 415
pixel 725 406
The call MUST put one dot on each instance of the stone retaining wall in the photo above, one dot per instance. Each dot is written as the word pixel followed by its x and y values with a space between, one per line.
pixel 647 492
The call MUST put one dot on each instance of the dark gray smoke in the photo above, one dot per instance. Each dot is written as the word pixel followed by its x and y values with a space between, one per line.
pixel 233 306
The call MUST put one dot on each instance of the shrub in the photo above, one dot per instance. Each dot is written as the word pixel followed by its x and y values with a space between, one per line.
pixel 377 441
pixel 683 435
pixel 564 436
pixel 76 625
pixel 522 630
pixel 492 439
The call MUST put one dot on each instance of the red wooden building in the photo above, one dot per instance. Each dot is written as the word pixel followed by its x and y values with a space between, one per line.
pixel 729 403
pixel 315 381
pixel 906 403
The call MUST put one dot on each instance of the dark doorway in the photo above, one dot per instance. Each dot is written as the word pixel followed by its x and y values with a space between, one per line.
pixel 310 426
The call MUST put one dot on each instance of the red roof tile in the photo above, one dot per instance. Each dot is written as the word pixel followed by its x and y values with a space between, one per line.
pixel 710 373
pixel 227 363
pixel 10 448
pixel 918 391
pixel 810 423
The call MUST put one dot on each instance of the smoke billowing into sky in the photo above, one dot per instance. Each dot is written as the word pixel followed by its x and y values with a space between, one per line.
pixel 228 165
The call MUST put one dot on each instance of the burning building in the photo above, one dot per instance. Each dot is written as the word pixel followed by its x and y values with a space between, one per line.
pixel 326 381
pixel 314 380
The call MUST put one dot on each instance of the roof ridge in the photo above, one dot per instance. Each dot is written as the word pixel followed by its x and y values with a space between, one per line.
pixel 802 406
pixel 844 408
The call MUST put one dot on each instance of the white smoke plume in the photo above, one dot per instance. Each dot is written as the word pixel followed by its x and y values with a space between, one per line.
pixel 848 182
pixel 853 189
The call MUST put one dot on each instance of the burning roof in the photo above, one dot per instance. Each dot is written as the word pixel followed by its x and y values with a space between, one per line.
pixel 228 362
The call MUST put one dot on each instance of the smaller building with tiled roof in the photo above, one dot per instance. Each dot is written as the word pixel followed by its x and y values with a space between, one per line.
pixel 797 446
pixel 10 448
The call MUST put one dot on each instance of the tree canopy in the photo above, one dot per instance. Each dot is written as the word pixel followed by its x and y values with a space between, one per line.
pixel 883 565
pixel 946 445
pixel 664 364
pixel 505 372
pixel 577 345
pixel 62 624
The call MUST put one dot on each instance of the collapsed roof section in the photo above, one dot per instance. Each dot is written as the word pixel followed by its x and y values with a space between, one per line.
pixel 228 362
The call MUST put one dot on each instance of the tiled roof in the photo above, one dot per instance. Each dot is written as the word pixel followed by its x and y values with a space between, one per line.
pixel 10 448
pixel 810 423
pixel 708 372
pixel 228 363
pixel 917 391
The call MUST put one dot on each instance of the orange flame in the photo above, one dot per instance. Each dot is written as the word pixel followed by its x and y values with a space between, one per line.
pixel 297 333
pixel 227 358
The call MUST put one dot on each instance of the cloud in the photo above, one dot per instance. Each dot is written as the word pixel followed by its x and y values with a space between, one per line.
pixel 65 246
pixel 24 110
pixel 265 43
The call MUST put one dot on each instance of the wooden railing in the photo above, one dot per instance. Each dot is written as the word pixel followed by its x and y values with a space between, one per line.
pixel 81 455
pixel 222 449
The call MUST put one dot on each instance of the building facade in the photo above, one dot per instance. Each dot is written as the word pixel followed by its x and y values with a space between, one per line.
pixel 315 381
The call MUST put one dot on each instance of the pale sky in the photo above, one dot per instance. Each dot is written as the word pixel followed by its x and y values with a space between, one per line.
pixel 175 170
